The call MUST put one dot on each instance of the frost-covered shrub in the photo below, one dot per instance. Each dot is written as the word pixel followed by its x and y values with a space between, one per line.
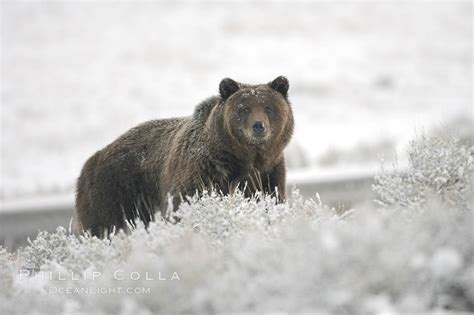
pixel 234 216
pixel 46 247
pixel 438 168
pixel 237 255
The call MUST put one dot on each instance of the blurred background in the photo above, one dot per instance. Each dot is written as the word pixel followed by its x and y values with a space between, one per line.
pixel 365 77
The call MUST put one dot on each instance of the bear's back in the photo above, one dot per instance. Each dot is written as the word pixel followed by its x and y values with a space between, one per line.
pixel 203 110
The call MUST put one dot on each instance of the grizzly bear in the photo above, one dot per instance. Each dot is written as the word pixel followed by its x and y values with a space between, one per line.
pixel 232 141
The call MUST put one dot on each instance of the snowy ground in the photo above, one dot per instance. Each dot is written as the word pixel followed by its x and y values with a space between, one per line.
pixel 364 75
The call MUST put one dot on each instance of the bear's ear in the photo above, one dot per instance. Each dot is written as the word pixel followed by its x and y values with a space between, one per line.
pixel 280 85
pixel 228 87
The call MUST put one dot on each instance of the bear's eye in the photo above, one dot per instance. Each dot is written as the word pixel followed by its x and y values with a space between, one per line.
pixel 244 110
pixel 268 109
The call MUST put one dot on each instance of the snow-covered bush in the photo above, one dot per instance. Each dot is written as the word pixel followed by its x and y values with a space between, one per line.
pixel 230 254
pixel 439 168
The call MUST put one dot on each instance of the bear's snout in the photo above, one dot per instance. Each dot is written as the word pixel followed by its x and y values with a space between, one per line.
pixel 259 129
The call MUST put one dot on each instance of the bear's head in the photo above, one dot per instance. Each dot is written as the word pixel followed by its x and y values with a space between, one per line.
pixel 257 115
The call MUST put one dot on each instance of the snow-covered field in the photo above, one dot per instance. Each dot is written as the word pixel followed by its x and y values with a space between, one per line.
pixel 364 75
pixel 413 254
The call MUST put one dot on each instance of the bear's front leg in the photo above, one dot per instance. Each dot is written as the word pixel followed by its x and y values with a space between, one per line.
pixel 275 181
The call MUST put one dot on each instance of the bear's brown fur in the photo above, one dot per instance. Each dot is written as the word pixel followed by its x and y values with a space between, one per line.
pixel 234 140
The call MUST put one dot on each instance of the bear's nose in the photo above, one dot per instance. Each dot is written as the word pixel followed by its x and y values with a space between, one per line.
pixel 258 127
